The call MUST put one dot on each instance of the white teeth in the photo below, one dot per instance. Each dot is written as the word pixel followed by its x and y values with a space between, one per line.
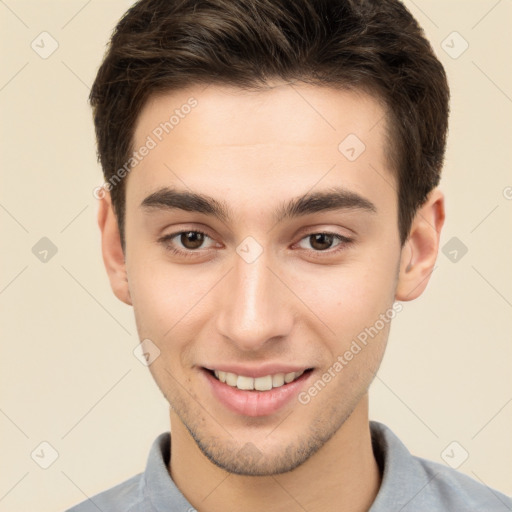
pixel 258 383
pixel 263 383
pixel 231 379
pixel 278 380
pixel 245 382
pixel 288 377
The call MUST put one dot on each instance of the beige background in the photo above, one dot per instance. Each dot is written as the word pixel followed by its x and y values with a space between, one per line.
pixel 68 374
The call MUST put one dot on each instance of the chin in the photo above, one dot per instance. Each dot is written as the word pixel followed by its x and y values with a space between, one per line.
pixel 274 458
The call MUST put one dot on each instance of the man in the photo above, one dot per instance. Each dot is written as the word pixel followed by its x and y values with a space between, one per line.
pixel 271 197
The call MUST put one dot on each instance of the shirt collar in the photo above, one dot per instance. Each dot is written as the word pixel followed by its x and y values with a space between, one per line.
pixel 158 486
pixel 401 480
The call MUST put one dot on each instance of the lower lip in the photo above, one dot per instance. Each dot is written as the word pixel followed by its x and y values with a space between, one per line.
pixel 255 403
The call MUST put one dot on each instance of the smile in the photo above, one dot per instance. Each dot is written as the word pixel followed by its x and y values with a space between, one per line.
pixel 264 383
pixel 259 394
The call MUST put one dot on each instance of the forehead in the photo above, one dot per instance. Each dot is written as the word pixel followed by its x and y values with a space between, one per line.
pixel 261 144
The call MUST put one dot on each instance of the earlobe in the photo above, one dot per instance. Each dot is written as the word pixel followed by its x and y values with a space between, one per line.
pixel 419 252
pixel 112 250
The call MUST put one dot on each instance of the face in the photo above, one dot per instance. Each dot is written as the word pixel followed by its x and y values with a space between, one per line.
pixel 258 249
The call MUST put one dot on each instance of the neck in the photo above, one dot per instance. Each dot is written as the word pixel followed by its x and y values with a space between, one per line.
pixel 342 476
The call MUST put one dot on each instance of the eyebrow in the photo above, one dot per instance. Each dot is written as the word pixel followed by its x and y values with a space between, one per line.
pixel 329 200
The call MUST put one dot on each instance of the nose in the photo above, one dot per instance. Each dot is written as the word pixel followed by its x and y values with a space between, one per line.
pixel 254 308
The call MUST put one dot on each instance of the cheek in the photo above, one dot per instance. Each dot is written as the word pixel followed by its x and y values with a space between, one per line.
pixel 163 305
pixel 152 295
pixel 167 299
pixel 349 297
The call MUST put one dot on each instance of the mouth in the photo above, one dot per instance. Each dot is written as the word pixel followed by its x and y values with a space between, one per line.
pixel 262 395
pixel 264 383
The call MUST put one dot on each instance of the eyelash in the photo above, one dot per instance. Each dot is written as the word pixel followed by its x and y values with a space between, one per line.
pixel 178 252
pixel 343 244
pixel 165 240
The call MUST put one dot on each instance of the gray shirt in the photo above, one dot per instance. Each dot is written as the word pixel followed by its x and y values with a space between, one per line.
pixel 409 484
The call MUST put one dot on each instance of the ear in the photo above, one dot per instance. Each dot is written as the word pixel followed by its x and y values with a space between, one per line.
pixel 112 250
pixel 419 252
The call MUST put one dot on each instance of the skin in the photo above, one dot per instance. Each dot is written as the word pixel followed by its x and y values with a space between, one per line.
pixel 255 150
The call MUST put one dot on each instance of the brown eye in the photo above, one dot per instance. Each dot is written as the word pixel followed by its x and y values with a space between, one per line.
pixel 321 241
pixel 192 239
pixel 324 244
pixel 189 243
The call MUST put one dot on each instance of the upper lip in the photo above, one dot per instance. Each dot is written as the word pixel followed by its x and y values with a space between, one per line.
pixel 257 371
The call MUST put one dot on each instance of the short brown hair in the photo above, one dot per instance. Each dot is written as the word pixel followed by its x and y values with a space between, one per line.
pixel 372 45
